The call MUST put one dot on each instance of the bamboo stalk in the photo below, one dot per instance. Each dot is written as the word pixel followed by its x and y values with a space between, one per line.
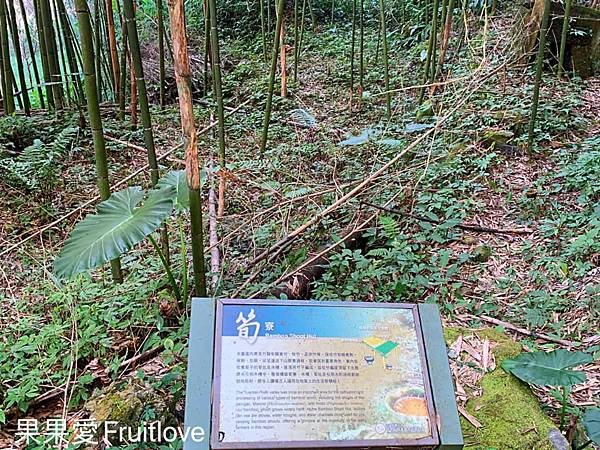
pixel 538 73
pixel 282 59
pixel 361 72
pixel 388 97
pixel 161 52
pixel 302 24
pixel 296 42
pixel 71 49
pixel 136 60
pixel 112 44
pixel 87 50
pixel 32 55
pixel 97 48
pixel 207 55
pixel 218 93
pixel 8 98
pixel 123 71
pixel 61 55
pixel 18 57
pixel 55 76
pixel 431 45
pixel 563 37
pixel 269 104
pixel 445 37
pixel 44 54
pixel 182 75
pixel 352 45
pixel 263 33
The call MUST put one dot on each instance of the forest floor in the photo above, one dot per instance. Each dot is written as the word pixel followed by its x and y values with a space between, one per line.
pixel 537 269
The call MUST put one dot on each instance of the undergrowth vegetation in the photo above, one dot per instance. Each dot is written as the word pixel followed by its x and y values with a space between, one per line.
pixel 472 220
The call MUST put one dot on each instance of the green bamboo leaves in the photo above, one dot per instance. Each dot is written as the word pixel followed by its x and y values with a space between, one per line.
pixel 119 225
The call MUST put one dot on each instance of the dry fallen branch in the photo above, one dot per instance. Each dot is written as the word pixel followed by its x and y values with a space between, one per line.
pixel 284 242
pixel 520 330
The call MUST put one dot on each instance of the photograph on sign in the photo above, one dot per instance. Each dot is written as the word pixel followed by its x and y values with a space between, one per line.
pixel 307 373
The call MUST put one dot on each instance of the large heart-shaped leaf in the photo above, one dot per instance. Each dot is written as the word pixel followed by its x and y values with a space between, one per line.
pixel 117 227
pixel 591 423
pixel 548 369
pixel 177 180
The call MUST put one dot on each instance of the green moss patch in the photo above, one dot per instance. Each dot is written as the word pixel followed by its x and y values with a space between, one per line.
pixel 508 411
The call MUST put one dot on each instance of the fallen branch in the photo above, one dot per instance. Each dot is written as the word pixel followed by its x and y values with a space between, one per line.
pixel 280 245
pixel 462 226
pixel 524 331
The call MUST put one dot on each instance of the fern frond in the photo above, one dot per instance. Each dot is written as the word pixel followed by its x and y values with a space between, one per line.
pixel 38 164
pixel 390 227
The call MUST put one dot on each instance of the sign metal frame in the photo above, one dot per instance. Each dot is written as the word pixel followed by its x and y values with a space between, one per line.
pixel 202 391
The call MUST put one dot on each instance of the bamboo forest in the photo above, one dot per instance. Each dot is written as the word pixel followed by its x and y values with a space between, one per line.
pixel 159 155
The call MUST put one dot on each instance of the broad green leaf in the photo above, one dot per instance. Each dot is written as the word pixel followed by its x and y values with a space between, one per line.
pixel 591 423
pixel 548 369
pixel 116 228
pixel 177 180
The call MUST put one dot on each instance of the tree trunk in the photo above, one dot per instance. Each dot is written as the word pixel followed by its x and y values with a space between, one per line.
pixel 182 75
pixel 87 53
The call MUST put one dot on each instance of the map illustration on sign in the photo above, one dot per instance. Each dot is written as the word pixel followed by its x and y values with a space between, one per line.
pixel 310 373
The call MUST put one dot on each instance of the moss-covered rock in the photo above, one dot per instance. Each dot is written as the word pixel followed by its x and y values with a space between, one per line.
pixel 508 411
pixel 129 403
